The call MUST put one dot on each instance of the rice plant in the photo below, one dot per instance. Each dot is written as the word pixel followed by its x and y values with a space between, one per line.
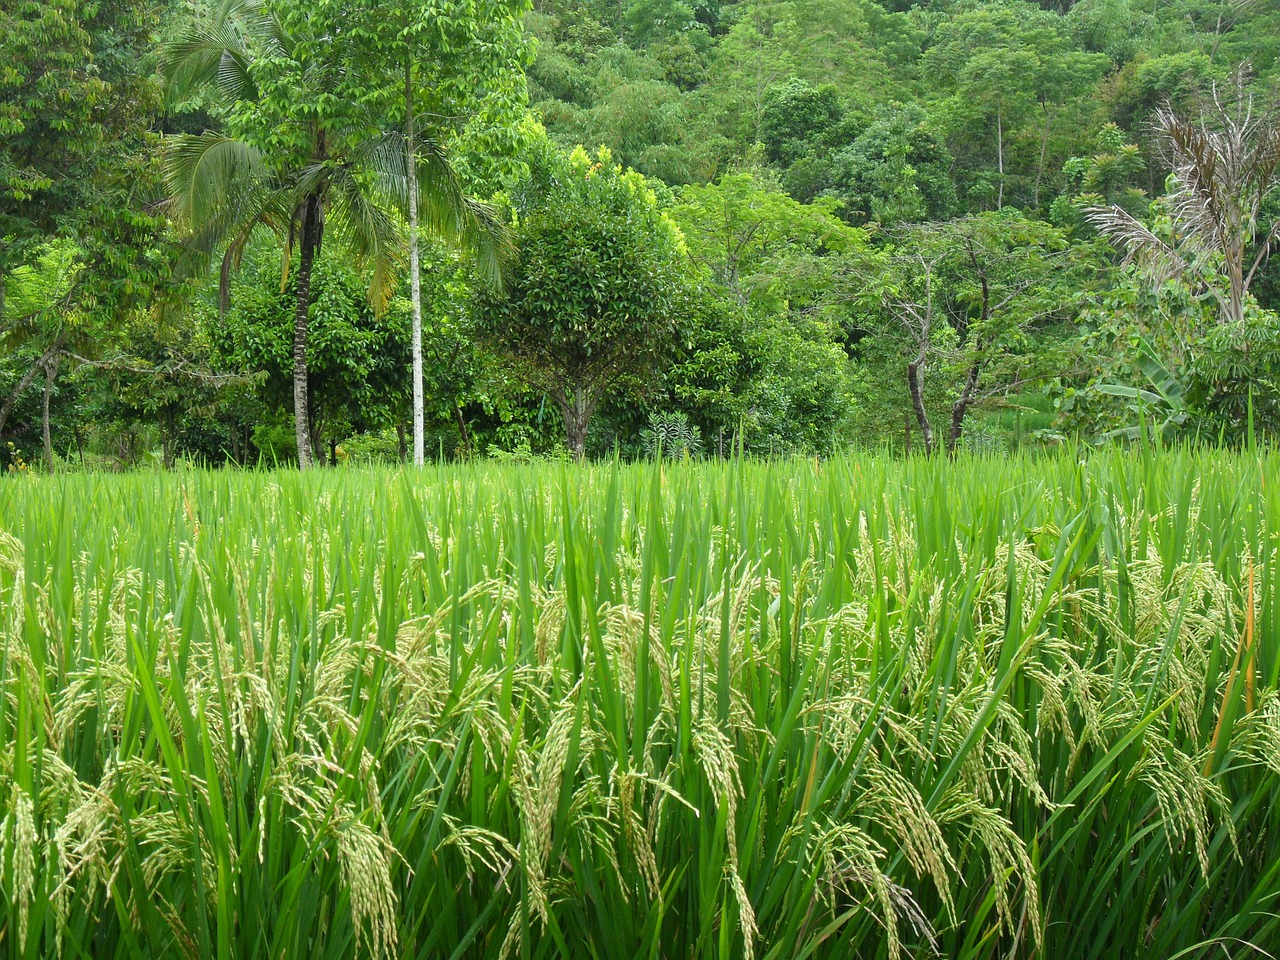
pixel 988 708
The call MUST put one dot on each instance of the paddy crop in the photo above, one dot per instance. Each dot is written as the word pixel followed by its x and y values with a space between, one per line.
pixel 853 708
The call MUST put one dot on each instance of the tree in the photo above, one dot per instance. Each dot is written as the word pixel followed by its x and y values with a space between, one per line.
pixel 357 357
pixel 75 107
pixel 742 226
pixel 1106 177
pixel 1225 166
pixel 452 59
pixel 908 297
pixel 896 171
pixel 295 158
pixel 968 294
pixel 77 103
pixel 794 114
pixel 67 308
pixel 597 290
pixel 650 21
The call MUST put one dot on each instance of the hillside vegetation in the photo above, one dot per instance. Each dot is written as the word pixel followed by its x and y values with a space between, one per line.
pixel 768 226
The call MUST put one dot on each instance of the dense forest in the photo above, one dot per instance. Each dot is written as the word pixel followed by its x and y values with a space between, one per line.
pixel 230 231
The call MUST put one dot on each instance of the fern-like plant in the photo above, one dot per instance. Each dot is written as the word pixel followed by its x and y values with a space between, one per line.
pixel 671 436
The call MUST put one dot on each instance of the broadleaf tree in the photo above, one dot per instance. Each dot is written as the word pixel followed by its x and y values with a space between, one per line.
pixel 597 290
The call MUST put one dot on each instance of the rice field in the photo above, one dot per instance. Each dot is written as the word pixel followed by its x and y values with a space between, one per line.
pixel 846 709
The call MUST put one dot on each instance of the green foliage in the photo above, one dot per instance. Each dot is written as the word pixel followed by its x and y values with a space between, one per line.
pixel 76 104
pixel 742 226
pixel 670 434
pixel 597 291
pixel 356 358
pixel 1007 71
pixel 896 171
pixel 795 114
pixel 1159 354
pixel 975 300
pixel 1109 176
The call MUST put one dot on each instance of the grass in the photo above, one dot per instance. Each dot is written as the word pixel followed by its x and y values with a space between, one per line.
pixel 855 708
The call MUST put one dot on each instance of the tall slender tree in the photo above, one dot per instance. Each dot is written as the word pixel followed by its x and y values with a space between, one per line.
pixel 461 61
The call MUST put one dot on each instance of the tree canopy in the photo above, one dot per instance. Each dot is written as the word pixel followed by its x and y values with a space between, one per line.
pixel 1081 197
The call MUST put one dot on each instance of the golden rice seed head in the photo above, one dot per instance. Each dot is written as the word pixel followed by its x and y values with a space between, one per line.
pixel 18 830
pixel 365 861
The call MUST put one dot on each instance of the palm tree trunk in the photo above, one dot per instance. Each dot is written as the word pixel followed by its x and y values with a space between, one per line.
pixel 415 281
pixel 301 398
pixel 50 376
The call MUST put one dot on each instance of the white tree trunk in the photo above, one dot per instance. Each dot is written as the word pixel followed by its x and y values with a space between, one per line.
pixel 415 281
pixel 1000 154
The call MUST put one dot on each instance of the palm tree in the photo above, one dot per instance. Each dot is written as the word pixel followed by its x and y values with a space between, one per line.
pixel 1225 164
pixel 339 175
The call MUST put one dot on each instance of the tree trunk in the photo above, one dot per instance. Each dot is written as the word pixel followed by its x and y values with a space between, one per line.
pixel 577 419
pixel 415 281
pixel 1236 279
pixel 28 378
pixel 1000 155
pixel 317 443
pixel 1044 150
pixel 50 376
pixel 961 407
pixel 463 432
pixel 576 436
pixel 915 383
pixel 311 228
pixel 169 440
pixel 402 448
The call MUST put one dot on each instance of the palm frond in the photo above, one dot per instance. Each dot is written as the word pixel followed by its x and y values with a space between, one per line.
pixel 215 55
pixel 228 10
pixel 221 192
pixel 212 57
pixel 206 171
pixel 473 228
pixel 363 226
pixel 1137 239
